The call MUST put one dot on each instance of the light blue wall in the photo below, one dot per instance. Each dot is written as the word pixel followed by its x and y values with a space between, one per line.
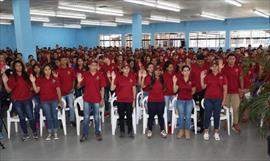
pixel 89 36
pixel 43 36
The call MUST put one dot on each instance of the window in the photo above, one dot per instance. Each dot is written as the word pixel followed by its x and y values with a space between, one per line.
pixel 253 37
pixel 110 40
pixel 146 39
pixel 211 39
pixel 169 39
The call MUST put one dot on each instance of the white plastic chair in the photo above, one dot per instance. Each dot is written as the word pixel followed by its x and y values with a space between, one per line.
pixel 13 119
pixel 79 101
pixel 115 116
pixel 61 116
pixel 224 115
pixel 175 115
pixel 145 116
pixel 139 111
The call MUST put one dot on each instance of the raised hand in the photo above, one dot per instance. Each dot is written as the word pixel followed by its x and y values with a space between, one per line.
pixel 79 77
pixel 5 78
pixel 32 78
pixel 55 74
pixel 174 79
pixel 109 74
pixel 113 75
pixel 203 74
pixel 144 74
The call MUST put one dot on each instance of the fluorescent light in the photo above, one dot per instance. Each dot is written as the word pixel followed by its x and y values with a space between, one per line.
pixel 168 6
pixel 145 3
pixel 52 25
pixel 40 19
pixel 211 16
pixel 42 12
pixel 90 10
pixel 129 21
pixel 108 13
pixel 97 23
pixel 1 0
pixel 165 19
pixel 260 13
pixel 157 4
pixel 6 17
pixel 71 15
pixel 76 26
pixel 5 22
pixel 234 2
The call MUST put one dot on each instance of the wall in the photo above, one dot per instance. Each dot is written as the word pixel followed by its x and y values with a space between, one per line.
pixel 89 36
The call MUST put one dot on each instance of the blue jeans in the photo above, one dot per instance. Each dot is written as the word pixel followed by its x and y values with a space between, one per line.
pixel 1 116
pixel 36 99
pixel 51 113
pixel 24 110
pixel 88 107
pixel 184 108
pixel 70 100
pixel 168 99
pixel 212 106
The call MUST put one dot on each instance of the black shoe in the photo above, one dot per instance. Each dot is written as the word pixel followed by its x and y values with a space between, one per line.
pixel 83 138
pixel 122 135
pixel 35 136
pixel 201 130
pixel 99 137
pixel 131 135
pixel 25 137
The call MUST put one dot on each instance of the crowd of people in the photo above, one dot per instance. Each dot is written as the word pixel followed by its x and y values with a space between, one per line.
pixel 216 76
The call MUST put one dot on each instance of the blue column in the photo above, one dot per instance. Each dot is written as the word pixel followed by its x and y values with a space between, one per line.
pixel 187 39
pixel 136 31
pixel 23 30
pixel 152 42
pixel 227 40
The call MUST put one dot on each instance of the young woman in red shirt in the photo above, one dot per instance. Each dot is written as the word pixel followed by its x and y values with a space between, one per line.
pixel 49 91
pixel 156 102
pixel 215 84
pixel 125 87
pixel 19 85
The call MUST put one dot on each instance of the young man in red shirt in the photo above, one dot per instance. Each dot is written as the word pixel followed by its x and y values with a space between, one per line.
pixel 234 76
pixel 66 76
pixel 94 83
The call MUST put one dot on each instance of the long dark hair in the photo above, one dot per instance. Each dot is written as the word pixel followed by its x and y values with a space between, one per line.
pixel 24 73
pixel 43 67
pixel 34 73
pixel 166 65
pixel 153 80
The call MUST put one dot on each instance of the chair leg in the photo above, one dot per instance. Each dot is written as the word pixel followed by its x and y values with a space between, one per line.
pixel 41 125
pixel 64 126
pixel 16 127
pixel 144 124
pixel 134 123
pixel 173 122
pixel 78 126
pixel 228 125
pixel 8 128
pixel 195 125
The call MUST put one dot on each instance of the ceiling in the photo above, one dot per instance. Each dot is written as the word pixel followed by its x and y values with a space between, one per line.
pixel 190 9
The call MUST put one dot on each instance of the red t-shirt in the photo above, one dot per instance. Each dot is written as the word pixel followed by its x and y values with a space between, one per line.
pixel 146 79
pixel 47 88
pixel 124 88
pixel 156 94
pixel 93 85
pixel 214 85
pixel 66 78
pixel 168 79
pixel 184 89
pixel 233 75
pixel 248 78
pixel 196 75
pixel 21 89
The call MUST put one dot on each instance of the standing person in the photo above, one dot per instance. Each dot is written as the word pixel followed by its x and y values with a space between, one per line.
pixel 19 85
pixel 156 102
pixel 185 88
pixel 49 91
pixel 215 84
pixel 93 97
pixel 234 74
pixel 196 69
pixel 169 93
pixel 125 87
pixel 66 76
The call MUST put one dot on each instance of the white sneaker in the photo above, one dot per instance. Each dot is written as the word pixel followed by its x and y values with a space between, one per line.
pixel 206 136
pixel 163 134
pixel 48 138
pixel 216 136
pixel 149 134
pixel 55 136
